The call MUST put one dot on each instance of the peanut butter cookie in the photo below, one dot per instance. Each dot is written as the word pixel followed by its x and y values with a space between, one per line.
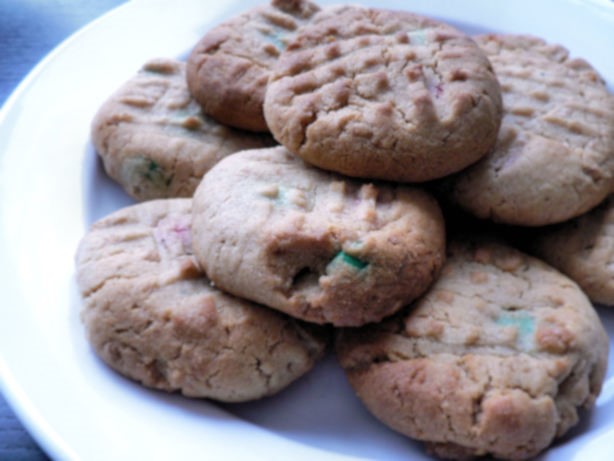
pixel 554 158
pixel 153 138
pixel 496 359
pixel 318 246
pixel 383 94
pixel 152 315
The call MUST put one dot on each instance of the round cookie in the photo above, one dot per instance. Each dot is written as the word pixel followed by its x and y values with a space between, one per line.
pixel 383 94
pixel 315 245
pixel 229 67
pixel 152 315
pixel 153 138
pixel 496 359
pixel 554 157
pixel 584 250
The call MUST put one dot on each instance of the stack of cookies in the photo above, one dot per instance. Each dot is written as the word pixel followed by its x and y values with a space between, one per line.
pixel 291 174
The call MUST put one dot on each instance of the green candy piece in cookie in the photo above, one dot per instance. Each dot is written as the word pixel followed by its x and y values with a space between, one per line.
pixel 350 260
pixel 288 197
pixel 274 37
pixel 188 119
pixel 153 172
pixel 279 194
pixel 417 37
pixel 282 196
pixel 523 322
pixel 137 170
pixel 276 41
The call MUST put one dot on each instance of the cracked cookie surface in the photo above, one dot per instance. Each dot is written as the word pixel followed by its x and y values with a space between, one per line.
pixel 583 248
pixel 152 315
pixel 496 359
pixel 554 157
pixel 316 245
pixel 229 67
pixel 383 94
pixel 153 138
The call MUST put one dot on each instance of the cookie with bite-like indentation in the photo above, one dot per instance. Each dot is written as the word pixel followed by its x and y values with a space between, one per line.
pixel 554 157
pixel 152 315
pixel 313 244
pixel 229 67
pixel 497 358
pixel 582 248
pixel 383 94
pixel 153 138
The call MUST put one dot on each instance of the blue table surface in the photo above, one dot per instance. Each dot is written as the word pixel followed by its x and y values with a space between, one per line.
pixel 29 29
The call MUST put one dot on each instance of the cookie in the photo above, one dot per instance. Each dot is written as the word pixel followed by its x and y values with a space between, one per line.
pixel 152 315
pixel 554 157
pixel 383 94
pixel 496 359
pixel 153 138
pixel 315 245
pixel 583 249
pixel 229 68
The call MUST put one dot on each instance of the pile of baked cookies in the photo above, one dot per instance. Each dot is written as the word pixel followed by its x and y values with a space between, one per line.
pixel 247 258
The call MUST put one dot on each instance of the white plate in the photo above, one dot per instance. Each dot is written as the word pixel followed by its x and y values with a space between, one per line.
pixel 52 188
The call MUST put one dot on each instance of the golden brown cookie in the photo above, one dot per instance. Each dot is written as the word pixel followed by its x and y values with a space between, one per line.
pixel 152 315
pixel 554 158
pixel 315 245
pixel 496 359
pixel 583 248
pixel 229 67
pixel 383 94
pixel 153 138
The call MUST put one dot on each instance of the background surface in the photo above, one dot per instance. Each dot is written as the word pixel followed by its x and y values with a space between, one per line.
pixel 29 29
